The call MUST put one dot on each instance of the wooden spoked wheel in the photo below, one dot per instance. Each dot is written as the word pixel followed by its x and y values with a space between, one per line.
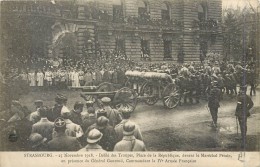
pixel 171 96
pixel 125 98
pixel 150 92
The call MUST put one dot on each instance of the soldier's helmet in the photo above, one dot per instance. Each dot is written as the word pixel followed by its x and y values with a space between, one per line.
pixel 36 139
pixel 94 136
pixel 102 122
pixel 128 128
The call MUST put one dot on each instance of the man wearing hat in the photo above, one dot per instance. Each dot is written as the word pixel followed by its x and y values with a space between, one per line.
pixel 213 102
pixel 129 142
pixel 126 114
pixel 73 129
pixel 112 114
pixel 75 114
pixel 61 102
pixel 89 119
pixel 38 142
pixel 94 136
pixel 35 116
pixel 44 127
pixel 109 139
pixel 60 141
pixel 244 104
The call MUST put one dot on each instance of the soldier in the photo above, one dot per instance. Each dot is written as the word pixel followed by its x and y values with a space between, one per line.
pixel 62 142
pixel 73 129
pixel 213 102
pixel 93 139
pixel 126 114
pixel 244 104
pixel 44 127
pixel 61 101
pixel 129 142
pixel 38 142
pixel 89 119
pixel 112 114
pixel 109 139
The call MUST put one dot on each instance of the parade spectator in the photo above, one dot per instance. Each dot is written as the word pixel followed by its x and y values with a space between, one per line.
pixel 126 114
pixel 39 78
pixel 129 142
pixel 62 142
pixel 38 142
pixel 89 119
pixel 44 127
pixel 112 114
pixel 61 102
pixel 93 138
pixel 75 114
pixel 35 116
pixel 72 129
pixel 109 139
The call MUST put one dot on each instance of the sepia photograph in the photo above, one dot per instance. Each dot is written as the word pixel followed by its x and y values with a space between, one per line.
pixel 130 76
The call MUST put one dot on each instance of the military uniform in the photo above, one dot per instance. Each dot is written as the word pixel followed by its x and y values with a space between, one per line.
pixel 119 131
pixel 213 102
pixel 44 127
pixel 244 104
pixel 60 141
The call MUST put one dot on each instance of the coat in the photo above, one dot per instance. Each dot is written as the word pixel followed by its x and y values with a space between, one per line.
pixel 113 116
pixel 44 127
pixel 62 142
pixel 119 131
pixel 244 104
pixel 73 129
pixel 75 117
pixel 214 97
pixel 130 143
pixel 109 138
pixel 35 117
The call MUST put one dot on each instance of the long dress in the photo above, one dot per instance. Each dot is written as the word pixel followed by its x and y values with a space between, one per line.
pixel 40 77
pixel 75 79
pixel 32 79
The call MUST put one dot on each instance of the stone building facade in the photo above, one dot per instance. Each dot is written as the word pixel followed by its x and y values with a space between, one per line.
pixel 154 30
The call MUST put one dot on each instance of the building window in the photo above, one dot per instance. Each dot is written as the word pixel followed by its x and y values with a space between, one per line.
pixel 145 50
pixel 166 12
pixel 143 12
pixel 202 12
pixel 167 49
pixel 118 11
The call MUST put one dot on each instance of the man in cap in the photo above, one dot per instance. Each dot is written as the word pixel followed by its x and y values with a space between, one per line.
pixel 61 102
pixel 126 114
pixel 129 142
pixel 213 102
pixel 60 141
pixel 109 139
pixel 75 114
pixel 44 127
pixel 73 129
pixel 35 116
pixel 94 136
pixel 112 114
pixel 38 142
pixel 244 104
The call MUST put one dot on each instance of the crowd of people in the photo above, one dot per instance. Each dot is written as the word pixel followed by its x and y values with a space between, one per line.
pixel 108 129
pixel 60 129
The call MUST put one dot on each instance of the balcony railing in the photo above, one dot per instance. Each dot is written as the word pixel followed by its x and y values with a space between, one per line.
pixel 207 25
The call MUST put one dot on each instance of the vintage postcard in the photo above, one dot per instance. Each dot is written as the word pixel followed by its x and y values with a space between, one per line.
pixel 130 82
